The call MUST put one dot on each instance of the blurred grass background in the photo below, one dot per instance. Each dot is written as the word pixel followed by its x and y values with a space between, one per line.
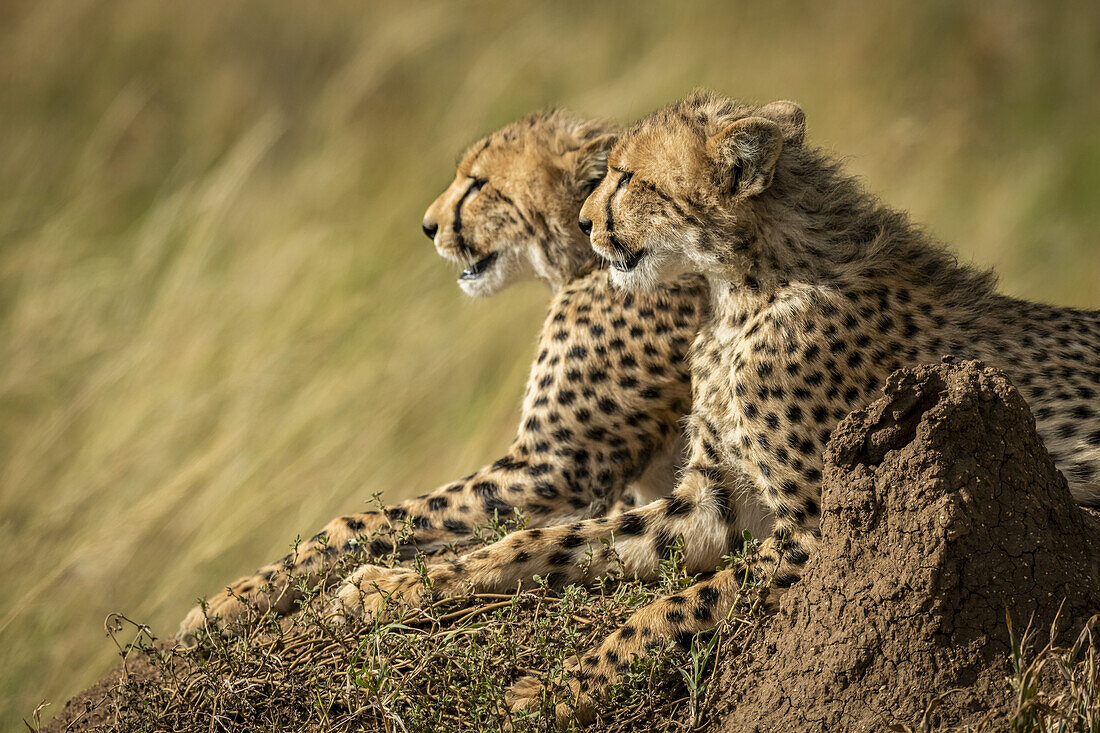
pixel 220 324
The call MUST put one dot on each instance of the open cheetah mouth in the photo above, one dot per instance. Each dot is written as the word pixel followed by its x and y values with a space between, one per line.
pixel 476 270
pixel 627 261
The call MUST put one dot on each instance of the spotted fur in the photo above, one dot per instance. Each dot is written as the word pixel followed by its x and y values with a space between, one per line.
pixel 600 417
pixel 818 292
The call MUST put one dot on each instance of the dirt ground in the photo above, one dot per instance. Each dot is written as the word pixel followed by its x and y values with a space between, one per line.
pixel 943 515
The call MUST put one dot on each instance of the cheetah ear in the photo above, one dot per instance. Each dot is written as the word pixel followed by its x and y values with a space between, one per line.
pixel 589 164
pixel 745 154
pixel 791 119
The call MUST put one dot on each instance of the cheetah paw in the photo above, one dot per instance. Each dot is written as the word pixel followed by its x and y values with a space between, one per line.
pixel 224 606
pixel 365 593
pixel 527 693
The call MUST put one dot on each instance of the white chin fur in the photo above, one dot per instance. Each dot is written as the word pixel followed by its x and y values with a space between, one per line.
pixel 655 268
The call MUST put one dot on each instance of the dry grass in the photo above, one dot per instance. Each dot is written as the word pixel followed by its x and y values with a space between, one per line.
pixel 446 666
pixel 220 326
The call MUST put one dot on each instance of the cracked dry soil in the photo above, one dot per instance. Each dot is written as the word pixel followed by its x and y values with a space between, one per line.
pixel 941 511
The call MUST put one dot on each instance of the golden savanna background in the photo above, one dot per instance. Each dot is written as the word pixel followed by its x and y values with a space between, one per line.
pixel 220 324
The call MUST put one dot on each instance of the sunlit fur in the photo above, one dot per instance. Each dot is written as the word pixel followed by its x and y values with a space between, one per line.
pixel 516 194
pixel 818 293
pixel 599 429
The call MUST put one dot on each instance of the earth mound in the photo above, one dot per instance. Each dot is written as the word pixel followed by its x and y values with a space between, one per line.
pixel 941 513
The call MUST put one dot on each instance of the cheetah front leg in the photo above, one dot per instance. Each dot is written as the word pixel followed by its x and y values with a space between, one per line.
pixel 444 517
pixel 678 617
pixel 703 511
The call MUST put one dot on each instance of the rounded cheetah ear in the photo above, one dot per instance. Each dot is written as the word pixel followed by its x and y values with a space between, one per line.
pixel 791 119
pixel 589 161
pixel 746 153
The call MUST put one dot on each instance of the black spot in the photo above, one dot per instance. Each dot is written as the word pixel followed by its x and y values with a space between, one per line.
pixel 397 513
pixel 546 490
pixel 560 558
pixel 380 547
pixel 676 506
pixel 632 523
pixel 684 639
pixel 438 503
pixel 675 617
pixel 663 544
pixel 709 595
pixel 785 581
pixel 455 526
pixel 572 540
pixel 796 556
pixel 1081 412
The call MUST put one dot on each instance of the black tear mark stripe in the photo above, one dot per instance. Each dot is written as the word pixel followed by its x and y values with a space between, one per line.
pixel 624 179
pixel 457 226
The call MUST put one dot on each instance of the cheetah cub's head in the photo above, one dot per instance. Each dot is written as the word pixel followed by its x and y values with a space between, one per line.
pixel 511 211
pixel 683 186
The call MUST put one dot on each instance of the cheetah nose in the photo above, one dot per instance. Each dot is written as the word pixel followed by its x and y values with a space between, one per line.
pixel 585 224
pixel 430 228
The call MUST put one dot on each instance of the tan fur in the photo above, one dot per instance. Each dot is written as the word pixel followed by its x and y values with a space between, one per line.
pixel 600 418
pixel 515 195
pixel 818 292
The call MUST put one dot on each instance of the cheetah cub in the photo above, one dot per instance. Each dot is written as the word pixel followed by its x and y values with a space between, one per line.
pixel 817 293
pixel 600 418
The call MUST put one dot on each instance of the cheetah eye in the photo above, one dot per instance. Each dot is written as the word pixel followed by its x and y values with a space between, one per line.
pixel 479 183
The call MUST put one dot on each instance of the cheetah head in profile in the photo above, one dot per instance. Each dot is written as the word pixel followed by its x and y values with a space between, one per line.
pixel 683 188
pixel 511 212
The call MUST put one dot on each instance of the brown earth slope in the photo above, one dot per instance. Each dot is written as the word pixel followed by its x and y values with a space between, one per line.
pixel 942 511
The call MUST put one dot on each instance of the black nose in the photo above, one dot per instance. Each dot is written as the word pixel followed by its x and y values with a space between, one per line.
pixel 430 228
pixel 585 224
